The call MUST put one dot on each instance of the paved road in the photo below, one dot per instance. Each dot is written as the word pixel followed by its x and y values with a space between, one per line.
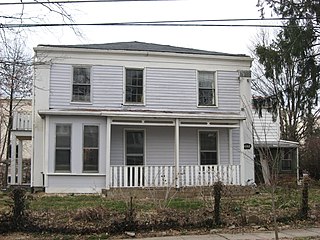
pixel 264 235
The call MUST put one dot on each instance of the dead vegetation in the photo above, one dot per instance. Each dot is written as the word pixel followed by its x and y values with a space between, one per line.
pixel 96 215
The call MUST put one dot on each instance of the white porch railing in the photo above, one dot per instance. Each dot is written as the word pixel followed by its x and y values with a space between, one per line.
pixel 164 176
pixel 22 121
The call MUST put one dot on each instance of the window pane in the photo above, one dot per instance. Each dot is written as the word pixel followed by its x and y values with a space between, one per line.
pixel 63 136
pixel 81 84
pixel 81 75
pixel 134 147
pixel 206 97
pixel 208 158
pixel 134 160
pixel 135 142
pixel 91 148
pixel 63 147
pixel 90 159
pixel 62 159
pixel 91 136
pixel 208 148
pixel 134 85
pixel 81 93
pixel 208 141
pixel 206 82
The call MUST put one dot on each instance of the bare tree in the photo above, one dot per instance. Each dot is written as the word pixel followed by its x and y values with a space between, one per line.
pixel 16 82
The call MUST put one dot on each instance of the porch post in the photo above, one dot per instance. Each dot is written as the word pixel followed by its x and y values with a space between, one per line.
pixel 230 147
pixel 242 162
pixel 19 161
pixel 13 159
pixel 177 154
pixel 108 153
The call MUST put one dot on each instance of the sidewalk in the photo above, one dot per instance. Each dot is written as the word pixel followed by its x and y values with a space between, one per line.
pixel 283 234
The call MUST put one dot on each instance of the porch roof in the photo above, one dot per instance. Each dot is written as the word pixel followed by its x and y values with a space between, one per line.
pixel 143 114
pixel 277 144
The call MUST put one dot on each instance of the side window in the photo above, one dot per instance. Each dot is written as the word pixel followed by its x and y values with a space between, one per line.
pixel 206 88
pixel 134 147
pixel 286 163
pixel 81 84
pixel 134 86
pixel 63 148
pixel 208 147
pixel 90 148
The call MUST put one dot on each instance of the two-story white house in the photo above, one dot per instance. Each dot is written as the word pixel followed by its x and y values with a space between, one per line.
pixel 136 114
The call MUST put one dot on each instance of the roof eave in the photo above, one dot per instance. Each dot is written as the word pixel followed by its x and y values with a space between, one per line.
pixel 145 53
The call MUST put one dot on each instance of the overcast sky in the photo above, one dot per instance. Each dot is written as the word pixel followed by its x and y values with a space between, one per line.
pixel 222 39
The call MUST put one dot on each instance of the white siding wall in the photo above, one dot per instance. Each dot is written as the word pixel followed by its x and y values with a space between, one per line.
pixel 60 86
pixel 264 128
pixel 236 146
pixel 224 146
pixel 107 86
pixel 189 146
pixel 228 91
pixel 160 146
pixel 171 89
pixel 75 184
pixel 165 89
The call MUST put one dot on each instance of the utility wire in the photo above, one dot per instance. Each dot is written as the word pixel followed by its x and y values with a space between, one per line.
pixel 182 23
pixel 77 1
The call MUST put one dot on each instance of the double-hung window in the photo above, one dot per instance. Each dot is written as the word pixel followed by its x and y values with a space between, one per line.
pixel 134 86
pixel 81 84
pixel 90 148
pixel 207 89
pixel 134 147
pixel 63 148
pixel 208 144
pixel 286 162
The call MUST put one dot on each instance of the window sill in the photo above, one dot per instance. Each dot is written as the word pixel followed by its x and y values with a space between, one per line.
pixel 75 174
pixel 133 104
pixel 81 103
pixel 207 106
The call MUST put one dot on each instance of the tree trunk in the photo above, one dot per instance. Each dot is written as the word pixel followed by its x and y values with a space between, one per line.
pixel 265 168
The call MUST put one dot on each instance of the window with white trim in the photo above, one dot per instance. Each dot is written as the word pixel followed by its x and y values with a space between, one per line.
pixel 286 162
pixel 81 85
pixel 134 140
pixel 206 88
pixel 208 145
pixel 90 148
pixel 63 148
pixel 134 86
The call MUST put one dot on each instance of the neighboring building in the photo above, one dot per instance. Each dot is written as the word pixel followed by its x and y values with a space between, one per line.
pixel 268 144
pixel 20 138
pixel 137 114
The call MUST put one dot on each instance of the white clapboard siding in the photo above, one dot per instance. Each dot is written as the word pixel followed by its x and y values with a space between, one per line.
pixel 107 86
pixel 228 91
pixel 173 89
pixel 264 128
pixel 236 146
pixel 165 88
pixel 60 86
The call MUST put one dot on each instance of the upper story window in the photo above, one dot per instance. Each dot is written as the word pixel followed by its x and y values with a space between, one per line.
pixel 81 84
pixel 63 148
pixel 208 145
pixel 207 88
pixel 134 86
